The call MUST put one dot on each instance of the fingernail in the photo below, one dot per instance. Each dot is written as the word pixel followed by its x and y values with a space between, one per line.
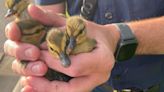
pixel 27 89
pixel 22 90
pixel 29 52
pixel 36 68
pixel 8 48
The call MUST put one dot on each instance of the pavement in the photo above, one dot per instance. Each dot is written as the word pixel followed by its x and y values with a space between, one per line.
pixel 8 79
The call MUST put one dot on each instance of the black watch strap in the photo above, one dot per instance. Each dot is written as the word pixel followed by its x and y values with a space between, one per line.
pixel 127 44
pixel 126 33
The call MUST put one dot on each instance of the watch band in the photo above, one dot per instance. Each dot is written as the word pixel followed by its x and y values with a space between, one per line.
pixel 127 44
pixel 126 33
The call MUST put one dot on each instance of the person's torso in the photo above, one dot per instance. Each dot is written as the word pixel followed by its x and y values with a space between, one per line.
pixel 112 11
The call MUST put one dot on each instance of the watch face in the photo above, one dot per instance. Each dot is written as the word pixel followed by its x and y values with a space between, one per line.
pixel 126 50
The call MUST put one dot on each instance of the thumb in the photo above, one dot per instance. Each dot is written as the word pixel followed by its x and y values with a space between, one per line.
pixel 45 17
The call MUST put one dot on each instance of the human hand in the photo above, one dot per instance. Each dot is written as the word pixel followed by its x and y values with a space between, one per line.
pixel 14 47
pixel 88 72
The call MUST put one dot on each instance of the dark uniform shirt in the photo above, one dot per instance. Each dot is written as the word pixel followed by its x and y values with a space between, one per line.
pixel 139 72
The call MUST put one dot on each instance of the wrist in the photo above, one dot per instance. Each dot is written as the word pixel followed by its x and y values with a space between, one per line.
pixel 114 37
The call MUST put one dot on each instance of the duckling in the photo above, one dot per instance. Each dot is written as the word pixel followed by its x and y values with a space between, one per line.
pixel 57 43
pixel 77 34
pixel 32 31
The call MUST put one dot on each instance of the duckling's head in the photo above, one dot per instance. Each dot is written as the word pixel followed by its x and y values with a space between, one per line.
pixel 75 29
pixel 15 6
pixel 57 45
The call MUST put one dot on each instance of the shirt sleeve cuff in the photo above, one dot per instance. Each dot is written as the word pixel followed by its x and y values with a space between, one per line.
pixel 48 2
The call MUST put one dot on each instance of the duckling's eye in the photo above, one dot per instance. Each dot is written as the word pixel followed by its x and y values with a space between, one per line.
pixel 53 50
pixel 80 31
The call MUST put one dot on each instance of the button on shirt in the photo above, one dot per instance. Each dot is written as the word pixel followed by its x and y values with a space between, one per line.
pixel 140 71
pixel 108 15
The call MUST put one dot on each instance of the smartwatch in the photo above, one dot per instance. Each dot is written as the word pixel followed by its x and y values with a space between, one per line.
pixel 127 43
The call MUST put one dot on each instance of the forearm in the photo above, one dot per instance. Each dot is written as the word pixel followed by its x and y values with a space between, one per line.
pixel 149 33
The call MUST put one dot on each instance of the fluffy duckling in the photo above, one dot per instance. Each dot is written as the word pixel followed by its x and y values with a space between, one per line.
pixel 57 43
pixel 32 31
pixel 77 35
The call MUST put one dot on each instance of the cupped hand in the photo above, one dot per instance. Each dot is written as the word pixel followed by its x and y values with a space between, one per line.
pixel 88 69
pixel 24 51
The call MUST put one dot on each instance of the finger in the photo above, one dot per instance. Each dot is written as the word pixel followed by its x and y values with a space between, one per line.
pixel 22 51
pixel 78 64
pixel 37 68
pixel 12 31
pixel 24 86
pixel 44 46
pixel 27 89
pixel 39 84
pixel 46 17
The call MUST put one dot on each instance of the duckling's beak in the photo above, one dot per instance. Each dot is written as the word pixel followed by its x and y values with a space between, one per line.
pixel 66 62
pixel 72 44
pixel 9 13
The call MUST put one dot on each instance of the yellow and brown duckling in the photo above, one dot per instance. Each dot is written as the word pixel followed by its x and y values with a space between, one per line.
pixel 32 31
pixel 57 44
pixel 77 35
